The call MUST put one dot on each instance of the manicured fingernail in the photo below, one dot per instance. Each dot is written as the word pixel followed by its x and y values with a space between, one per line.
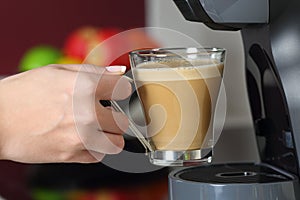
pixel 116 69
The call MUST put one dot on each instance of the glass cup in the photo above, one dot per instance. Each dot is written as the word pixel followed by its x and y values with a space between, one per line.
pixel 178 90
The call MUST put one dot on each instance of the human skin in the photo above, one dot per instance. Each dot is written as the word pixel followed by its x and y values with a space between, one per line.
pixel 52 114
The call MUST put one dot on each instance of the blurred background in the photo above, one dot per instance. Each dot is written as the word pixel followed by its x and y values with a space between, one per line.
pixel 64 32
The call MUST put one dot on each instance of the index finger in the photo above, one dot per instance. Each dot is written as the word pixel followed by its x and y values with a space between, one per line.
pixel 109 83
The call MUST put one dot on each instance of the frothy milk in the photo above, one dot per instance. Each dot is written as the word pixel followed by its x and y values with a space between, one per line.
pixel 178 99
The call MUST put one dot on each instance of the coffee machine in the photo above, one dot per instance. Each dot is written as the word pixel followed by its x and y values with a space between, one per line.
pixel 270 31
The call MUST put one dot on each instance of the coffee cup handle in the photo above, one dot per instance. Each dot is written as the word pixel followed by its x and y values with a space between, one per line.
pixel 120 70
pixel 133 128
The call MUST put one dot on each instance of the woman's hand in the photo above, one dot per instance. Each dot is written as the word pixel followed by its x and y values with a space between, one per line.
pixel 53 114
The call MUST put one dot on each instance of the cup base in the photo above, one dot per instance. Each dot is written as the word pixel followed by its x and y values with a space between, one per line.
pixel 180 158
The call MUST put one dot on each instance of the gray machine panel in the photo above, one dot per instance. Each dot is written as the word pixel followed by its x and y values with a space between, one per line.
pixel 237 11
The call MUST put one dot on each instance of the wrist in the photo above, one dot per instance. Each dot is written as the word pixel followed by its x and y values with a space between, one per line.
pixel 1 120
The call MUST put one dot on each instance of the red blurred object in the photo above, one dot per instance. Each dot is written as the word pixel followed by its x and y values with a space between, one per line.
pixel 81 42
pixel 114 45
pixel 78 42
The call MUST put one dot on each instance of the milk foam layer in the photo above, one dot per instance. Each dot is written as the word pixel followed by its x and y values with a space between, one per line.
pixel 167 71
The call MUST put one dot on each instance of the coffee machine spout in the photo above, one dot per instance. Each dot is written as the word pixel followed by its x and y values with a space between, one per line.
pixel 225 15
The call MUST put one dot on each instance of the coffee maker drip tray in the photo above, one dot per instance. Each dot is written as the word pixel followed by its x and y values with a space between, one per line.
pixel 237 173
pixel 233 182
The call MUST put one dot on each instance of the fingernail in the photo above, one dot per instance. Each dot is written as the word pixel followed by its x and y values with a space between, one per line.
pixel 116 69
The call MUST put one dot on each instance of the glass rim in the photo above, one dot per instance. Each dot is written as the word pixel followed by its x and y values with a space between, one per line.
pixel 157 52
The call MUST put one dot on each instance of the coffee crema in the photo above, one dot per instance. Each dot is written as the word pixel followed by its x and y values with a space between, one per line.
pixel 178 98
